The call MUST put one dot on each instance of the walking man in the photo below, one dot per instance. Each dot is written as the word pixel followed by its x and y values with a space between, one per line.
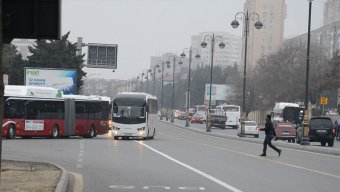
pixel 270 134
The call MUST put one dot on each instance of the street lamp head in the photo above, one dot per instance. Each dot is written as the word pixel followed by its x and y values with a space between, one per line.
pixel 143 74
pixel 180 62
pixel 258 25
pixel 183 55
pixel 149 70
pixel 167 62
pixel 221 45
pixel 138 77
pixel 198 56
pixel 235 24
pixel 204 44
pixel 168 65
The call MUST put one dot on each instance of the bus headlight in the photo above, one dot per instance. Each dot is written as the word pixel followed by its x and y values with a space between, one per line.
pixel 141 131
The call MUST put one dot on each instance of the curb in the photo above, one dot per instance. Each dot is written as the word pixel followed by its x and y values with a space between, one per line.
pixel 62 184
pixel 314 149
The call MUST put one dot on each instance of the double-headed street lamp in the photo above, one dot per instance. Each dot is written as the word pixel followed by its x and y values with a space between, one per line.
pixel 190 51
pixel 142 78
pixel 212 38
pixel 173 84
pixel 305 137
pixel 147 79
pixel 258 25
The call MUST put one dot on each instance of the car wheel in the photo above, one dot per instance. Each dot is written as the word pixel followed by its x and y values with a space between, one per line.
pixel 115 137
pixel 154 132
pixel 92 132
pixel 256 136
pixel 323 143
pixel 11 132
pixel 55 132
pixel 293 140
pixel 331 143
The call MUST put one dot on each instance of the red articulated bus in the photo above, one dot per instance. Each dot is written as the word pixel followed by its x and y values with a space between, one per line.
pixel 45 112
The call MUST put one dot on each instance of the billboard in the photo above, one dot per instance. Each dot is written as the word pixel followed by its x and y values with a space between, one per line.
pixel 102 56
pixel 219 92
pixel 64 80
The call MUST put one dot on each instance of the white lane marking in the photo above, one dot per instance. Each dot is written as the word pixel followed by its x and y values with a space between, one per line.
pixel 163 187
pixel 223 184
pixel 192 188
pixel 122 187
pixel 81 154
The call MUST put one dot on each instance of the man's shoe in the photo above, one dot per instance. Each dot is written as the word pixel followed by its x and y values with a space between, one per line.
pixel 279 152
pixel 263 155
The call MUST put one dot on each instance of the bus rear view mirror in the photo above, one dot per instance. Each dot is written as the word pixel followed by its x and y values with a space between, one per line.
pixel 147 107
pixel 115 109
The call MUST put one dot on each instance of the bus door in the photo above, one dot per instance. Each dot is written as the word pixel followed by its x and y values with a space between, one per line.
pixel 69 117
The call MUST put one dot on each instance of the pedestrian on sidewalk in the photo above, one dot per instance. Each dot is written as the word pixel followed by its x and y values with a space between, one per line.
pixel 270 134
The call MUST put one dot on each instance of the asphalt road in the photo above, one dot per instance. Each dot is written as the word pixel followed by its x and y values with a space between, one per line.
pixel 180 160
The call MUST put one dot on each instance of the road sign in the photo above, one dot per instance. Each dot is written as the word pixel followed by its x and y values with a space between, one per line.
pixel 102 56
pixel 323 100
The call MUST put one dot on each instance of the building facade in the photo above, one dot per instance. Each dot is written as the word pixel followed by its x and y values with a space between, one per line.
pixel 268 39
pixel 227 56
pixel 331 12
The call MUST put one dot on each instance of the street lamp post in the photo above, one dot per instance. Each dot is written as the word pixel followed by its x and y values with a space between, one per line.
pixel 190 51
pixel 212 38
pixel 305 137
pixel 154 80
pixel 147 79
pixel 162 85
pixel 137 83
pixel 173 85
pixel 142 90
pixel 258 25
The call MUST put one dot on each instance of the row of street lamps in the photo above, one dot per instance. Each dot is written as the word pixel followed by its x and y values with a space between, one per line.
pixel 247 17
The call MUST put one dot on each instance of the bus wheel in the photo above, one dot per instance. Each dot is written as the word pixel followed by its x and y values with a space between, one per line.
pixel 153 135
pixel 11 132
pixel 92 132
pixel 55 132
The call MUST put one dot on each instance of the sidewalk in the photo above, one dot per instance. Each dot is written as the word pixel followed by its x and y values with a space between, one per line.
pixel 315 149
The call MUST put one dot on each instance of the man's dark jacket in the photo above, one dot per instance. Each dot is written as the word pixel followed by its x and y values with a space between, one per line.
pixel 269 128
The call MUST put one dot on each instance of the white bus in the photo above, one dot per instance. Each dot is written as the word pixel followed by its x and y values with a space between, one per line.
pixel 134 115
pixel 233 114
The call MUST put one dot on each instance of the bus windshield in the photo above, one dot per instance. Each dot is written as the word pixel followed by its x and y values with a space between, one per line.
pixel 129 111
pixel 231 109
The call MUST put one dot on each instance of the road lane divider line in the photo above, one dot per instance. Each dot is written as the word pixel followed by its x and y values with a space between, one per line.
pixel 223 184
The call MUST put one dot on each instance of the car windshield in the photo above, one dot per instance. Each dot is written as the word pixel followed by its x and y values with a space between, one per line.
pixel 320 123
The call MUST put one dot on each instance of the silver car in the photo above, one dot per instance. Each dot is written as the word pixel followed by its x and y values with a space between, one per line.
pixel 250 128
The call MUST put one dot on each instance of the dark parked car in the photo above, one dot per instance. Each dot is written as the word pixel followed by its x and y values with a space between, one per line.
pixel 321 129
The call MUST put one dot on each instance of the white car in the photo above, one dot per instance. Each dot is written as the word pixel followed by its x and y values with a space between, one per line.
pixel 250 128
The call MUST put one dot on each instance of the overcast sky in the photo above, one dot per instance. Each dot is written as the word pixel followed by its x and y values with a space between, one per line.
pixel 145 28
